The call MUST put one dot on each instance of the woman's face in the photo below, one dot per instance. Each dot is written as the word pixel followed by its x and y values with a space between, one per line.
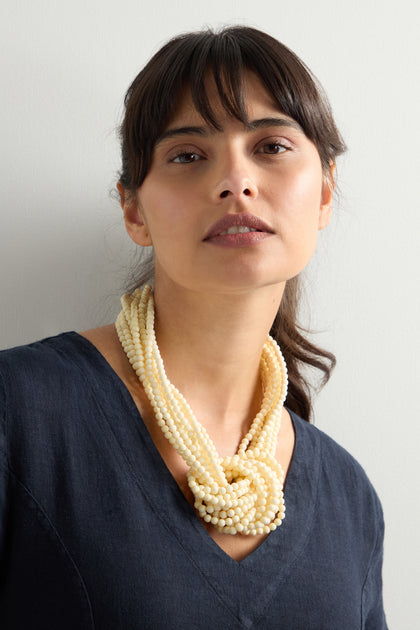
pixel 231 210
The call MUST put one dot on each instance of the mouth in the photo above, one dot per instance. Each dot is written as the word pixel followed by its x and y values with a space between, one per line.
pixel 238 229
pixel 242 223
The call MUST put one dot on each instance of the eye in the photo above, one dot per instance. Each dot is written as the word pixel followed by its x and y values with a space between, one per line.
pixel 273 148
pixel 186 157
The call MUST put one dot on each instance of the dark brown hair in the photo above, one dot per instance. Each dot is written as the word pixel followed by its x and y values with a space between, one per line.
pixel 151 100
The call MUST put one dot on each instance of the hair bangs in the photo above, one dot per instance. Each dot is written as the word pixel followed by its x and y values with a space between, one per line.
pixel 220 62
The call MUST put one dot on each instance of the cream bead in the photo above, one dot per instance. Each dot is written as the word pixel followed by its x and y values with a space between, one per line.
pixel 238 494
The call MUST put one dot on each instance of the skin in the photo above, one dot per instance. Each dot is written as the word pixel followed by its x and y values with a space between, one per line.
pixel 196 178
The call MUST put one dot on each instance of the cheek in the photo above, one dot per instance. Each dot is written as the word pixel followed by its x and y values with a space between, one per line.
pixel 300 196
pixel 165 209
pixel 299 213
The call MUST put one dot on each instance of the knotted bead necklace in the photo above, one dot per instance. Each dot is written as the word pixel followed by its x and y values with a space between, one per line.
pixel 238 494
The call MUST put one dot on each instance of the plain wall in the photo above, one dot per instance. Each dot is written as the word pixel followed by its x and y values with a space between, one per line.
pixel 64 254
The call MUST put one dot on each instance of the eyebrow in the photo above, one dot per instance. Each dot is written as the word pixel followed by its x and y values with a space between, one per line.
pixel 208 131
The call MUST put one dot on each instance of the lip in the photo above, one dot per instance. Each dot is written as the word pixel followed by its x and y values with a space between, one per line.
pixel 242 219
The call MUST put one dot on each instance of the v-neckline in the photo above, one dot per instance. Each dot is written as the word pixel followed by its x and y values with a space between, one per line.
pixel 297 496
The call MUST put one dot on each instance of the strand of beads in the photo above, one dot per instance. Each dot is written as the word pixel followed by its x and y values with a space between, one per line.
pixel 238 494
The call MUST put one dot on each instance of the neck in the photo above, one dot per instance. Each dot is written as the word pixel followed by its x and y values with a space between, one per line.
pixel 211 346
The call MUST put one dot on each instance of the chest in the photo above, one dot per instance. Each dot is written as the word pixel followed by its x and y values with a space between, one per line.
pixel 236 546
pixel 142 560
pixel 115 513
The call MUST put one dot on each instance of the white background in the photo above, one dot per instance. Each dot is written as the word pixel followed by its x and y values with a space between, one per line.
pixel 64 256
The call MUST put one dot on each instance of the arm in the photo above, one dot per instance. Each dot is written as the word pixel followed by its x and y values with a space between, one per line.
pixel 373 615
pixel 3 486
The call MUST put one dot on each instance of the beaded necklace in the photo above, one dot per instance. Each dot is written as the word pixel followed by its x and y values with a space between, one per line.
pixel 238 494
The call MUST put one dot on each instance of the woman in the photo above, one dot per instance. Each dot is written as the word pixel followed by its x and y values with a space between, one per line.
pixel 119 508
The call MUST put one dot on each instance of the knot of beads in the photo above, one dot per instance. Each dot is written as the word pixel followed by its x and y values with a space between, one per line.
pixel 251 501
pixel 238 494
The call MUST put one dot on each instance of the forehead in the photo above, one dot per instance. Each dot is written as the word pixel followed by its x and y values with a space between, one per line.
pixel 258 102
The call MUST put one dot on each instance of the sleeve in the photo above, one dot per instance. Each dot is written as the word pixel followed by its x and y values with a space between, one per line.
pixel 373 609
pixel 3 469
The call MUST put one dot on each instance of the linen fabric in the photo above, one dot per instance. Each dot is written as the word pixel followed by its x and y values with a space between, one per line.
pixel 96 534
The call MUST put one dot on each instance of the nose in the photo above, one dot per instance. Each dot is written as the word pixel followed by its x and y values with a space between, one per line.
pixel 235 180
pixel 226 193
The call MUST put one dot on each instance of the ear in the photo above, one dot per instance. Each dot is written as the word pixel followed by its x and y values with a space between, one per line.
pixel 326 198
pixel 133 218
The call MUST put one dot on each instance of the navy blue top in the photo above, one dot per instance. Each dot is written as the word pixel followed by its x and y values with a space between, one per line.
pixel 95 532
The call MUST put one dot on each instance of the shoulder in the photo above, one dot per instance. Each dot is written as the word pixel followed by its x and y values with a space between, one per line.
pixel 347 529
pixel 43 378
pixel 52 392
pixel 341 476
pixel 41 362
